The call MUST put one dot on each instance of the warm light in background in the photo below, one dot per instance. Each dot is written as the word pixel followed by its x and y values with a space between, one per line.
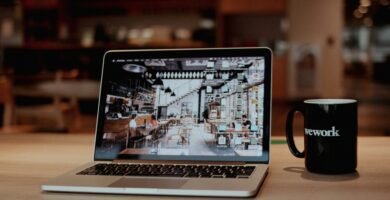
pixel 317 53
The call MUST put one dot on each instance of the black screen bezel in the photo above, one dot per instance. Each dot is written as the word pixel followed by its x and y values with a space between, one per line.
pixel 191 53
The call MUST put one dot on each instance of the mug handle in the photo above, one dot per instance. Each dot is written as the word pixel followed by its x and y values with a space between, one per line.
pixel 289 132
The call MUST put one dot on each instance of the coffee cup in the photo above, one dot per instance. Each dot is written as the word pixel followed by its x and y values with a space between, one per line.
pixel 330 135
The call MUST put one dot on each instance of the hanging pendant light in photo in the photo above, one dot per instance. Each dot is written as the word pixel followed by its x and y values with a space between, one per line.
pixel 168 90
pixel 158 82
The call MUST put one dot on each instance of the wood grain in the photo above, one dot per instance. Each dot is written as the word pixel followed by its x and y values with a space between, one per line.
pixel 28 160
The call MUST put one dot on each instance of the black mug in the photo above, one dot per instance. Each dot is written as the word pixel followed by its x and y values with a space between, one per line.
pixel 330 135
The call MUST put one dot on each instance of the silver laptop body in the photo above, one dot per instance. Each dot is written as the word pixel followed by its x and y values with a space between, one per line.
pixel 216 113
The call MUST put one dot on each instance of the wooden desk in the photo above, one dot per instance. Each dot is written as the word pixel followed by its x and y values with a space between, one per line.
pixel 26 161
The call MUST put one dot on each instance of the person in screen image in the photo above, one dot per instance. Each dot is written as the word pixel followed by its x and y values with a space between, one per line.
pixel 208 123
pixel 154 121
pixel 133 125
pixel 205 115
pixel 245 122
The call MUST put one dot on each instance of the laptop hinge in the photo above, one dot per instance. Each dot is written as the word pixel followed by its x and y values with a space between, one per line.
pixel 181 162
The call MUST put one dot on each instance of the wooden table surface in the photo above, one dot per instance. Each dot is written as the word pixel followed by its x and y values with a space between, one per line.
pixel 28 160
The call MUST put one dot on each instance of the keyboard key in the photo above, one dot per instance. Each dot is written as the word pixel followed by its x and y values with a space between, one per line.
pixel 189 171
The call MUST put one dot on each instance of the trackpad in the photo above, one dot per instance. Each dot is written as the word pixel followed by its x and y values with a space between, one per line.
pixel 148 183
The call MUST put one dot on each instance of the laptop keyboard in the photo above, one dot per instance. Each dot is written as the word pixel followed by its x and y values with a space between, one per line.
pixel 162 170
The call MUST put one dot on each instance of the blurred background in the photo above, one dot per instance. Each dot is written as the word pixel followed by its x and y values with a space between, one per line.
pixel 51 52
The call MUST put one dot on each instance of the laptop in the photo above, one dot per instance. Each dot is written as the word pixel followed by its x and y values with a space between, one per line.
pixel 155 134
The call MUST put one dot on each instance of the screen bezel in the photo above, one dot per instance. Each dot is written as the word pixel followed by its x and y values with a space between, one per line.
pixel 192 53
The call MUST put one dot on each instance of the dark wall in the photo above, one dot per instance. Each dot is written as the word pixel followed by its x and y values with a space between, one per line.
pixel 31 61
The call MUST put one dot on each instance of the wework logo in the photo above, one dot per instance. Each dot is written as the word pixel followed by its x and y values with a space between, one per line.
pixel 324 133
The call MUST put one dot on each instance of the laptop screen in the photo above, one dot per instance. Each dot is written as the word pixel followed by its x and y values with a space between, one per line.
pixel 185 105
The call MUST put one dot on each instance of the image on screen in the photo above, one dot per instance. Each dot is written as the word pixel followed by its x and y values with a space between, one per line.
pixel 183 107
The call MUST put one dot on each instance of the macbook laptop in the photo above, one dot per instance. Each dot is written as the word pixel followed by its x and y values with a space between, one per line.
pixel 159 124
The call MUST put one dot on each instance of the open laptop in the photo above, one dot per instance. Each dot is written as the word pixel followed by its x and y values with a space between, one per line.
pixel 170 122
